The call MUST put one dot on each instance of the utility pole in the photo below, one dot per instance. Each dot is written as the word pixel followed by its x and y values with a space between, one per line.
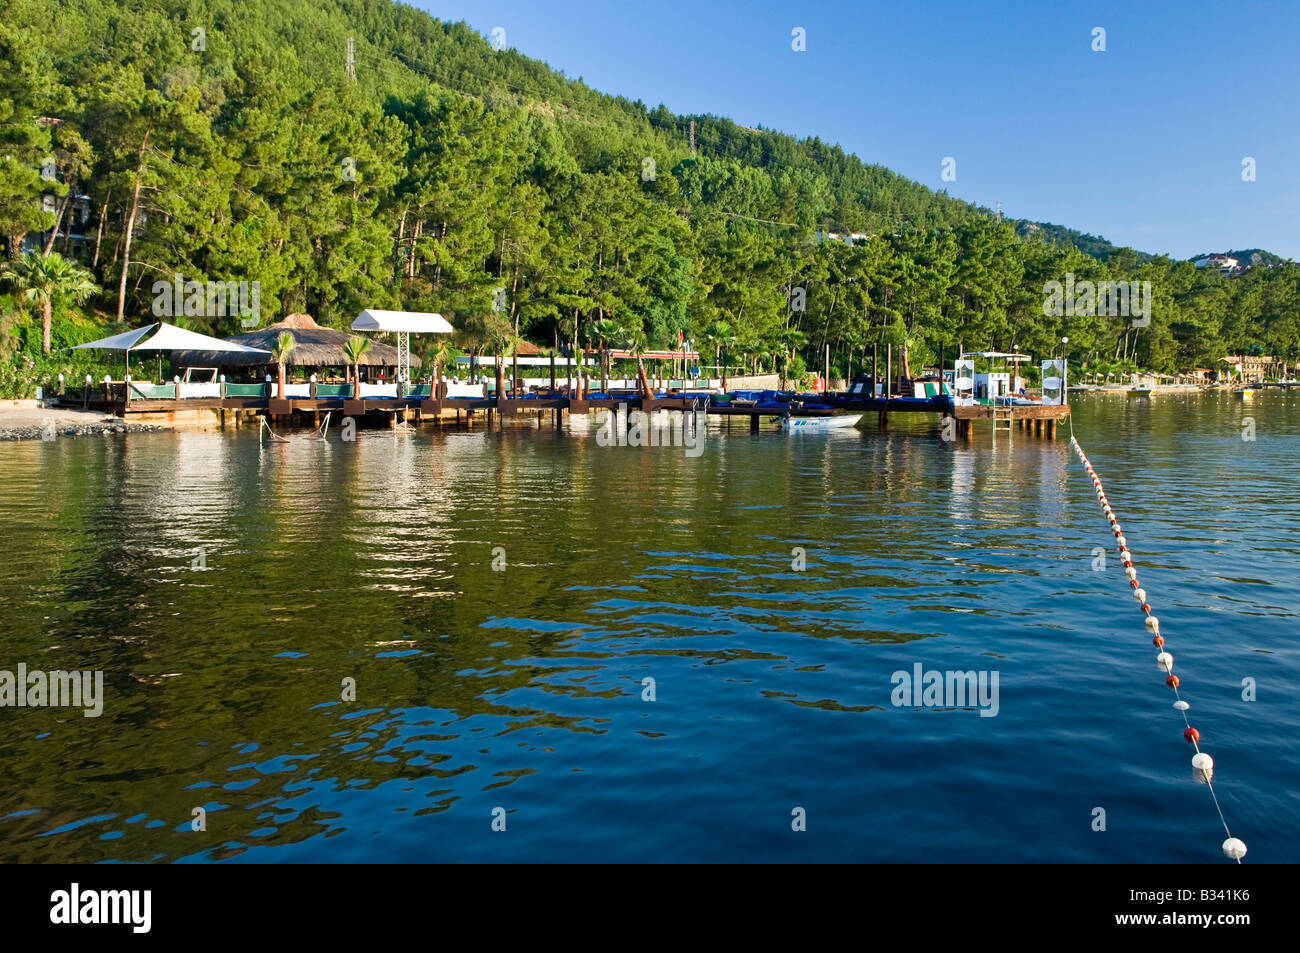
pixel 692 138
pixel 349 64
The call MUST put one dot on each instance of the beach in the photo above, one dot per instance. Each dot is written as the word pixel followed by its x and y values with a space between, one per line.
pixel 25 420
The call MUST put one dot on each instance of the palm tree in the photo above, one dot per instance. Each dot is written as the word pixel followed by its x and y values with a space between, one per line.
pixel 571 325
pixel 444 352
pixel 605 330
pixel 635 340
pixel 719 335
pixel 280 355
pixel 791 340
pixel 45 279
pixel 490 333
pixel 354 349
pixel 500 337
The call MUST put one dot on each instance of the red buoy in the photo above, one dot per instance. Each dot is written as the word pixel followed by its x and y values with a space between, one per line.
pixel 1146 607
pixel 1158 641
pixel 1172 681
pixel 1192 735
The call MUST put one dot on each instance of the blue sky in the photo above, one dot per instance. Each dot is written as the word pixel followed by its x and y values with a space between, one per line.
pixel 1142 143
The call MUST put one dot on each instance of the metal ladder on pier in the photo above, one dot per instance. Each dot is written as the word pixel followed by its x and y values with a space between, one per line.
pixel 1002 415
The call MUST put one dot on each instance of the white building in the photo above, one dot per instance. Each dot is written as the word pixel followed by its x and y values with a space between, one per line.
pixel 1221 263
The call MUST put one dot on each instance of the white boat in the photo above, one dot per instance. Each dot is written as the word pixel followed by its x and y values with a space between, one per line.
pixel 792 424
pixel 1140 391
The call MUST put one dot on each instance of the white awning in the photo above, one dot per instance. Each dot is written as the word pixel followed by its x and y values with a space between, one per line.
pixel 410 322
pixel 117 342
pixel 1012 357
pixel 172 338
pixel 168 338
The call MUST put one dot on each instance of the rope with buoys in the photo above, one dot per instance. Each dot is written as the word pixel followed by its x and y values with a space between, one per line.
pixel 1201 761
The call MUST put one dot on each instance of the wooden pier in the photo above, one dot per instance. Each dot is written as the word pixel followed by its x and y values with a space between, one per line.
pixel 489 411
pixel 1037 419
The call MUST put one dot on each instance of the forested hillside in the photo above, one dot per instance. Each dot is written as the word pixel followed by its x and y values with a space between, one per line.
pixel 226 141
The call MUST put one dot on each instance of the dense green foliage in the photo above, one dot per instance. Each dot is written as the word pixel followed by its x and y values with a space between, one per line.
pixel 224 141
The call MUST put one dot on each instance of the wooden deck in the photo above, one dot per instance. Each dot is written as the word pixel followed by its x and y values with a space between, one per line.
pixel 1018 412
pixel 1032 417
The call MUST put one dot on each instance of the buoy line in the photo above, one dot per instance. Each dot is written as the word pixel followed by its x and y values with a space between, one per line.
pixel 1202 762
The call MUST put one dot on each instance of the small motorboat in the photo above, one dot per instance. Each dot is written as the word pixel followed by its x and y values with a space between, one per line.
pixel 1141 391
pixel 792 424
pixel 1245 393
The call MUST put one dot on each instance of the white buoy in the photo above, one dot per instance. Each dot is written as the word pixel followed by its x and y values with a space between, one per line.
pixel 1153 625
pixel 1123 543
pixel 1125 554
pixel 1234 848
pixel 1181 705
pixel 1203 763
pixel 1165 661
pixel 1130 572
pixel 1139 595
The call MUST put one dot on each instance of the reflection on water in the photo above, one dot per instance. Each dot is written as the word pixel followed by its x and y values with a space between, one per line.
pixel 522 686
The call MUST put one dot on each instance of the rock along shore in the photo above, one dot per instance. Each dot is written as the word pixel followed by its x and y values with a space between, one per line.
pixel 49 423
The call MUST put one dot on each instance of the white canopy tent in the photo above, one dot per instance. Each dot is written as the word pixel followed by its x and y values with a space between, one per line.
pixel 117 342
pixel 168 338
pixel 403 324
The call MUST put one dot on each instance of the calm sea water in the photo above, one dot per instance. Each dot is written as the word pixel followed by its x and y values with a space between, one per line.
pixel 522 689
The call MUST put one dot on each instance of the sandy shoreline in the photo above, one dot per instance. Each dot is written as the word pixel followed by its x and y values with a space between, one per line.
pixel 50 423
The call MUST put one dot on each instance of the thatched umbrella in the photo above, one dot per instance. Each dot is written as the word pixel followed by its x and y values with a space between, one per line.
pixel 313 346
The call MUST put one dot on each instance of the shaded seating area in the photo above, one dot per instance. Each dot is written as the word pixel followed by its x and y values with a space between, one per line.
pixel 317 362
